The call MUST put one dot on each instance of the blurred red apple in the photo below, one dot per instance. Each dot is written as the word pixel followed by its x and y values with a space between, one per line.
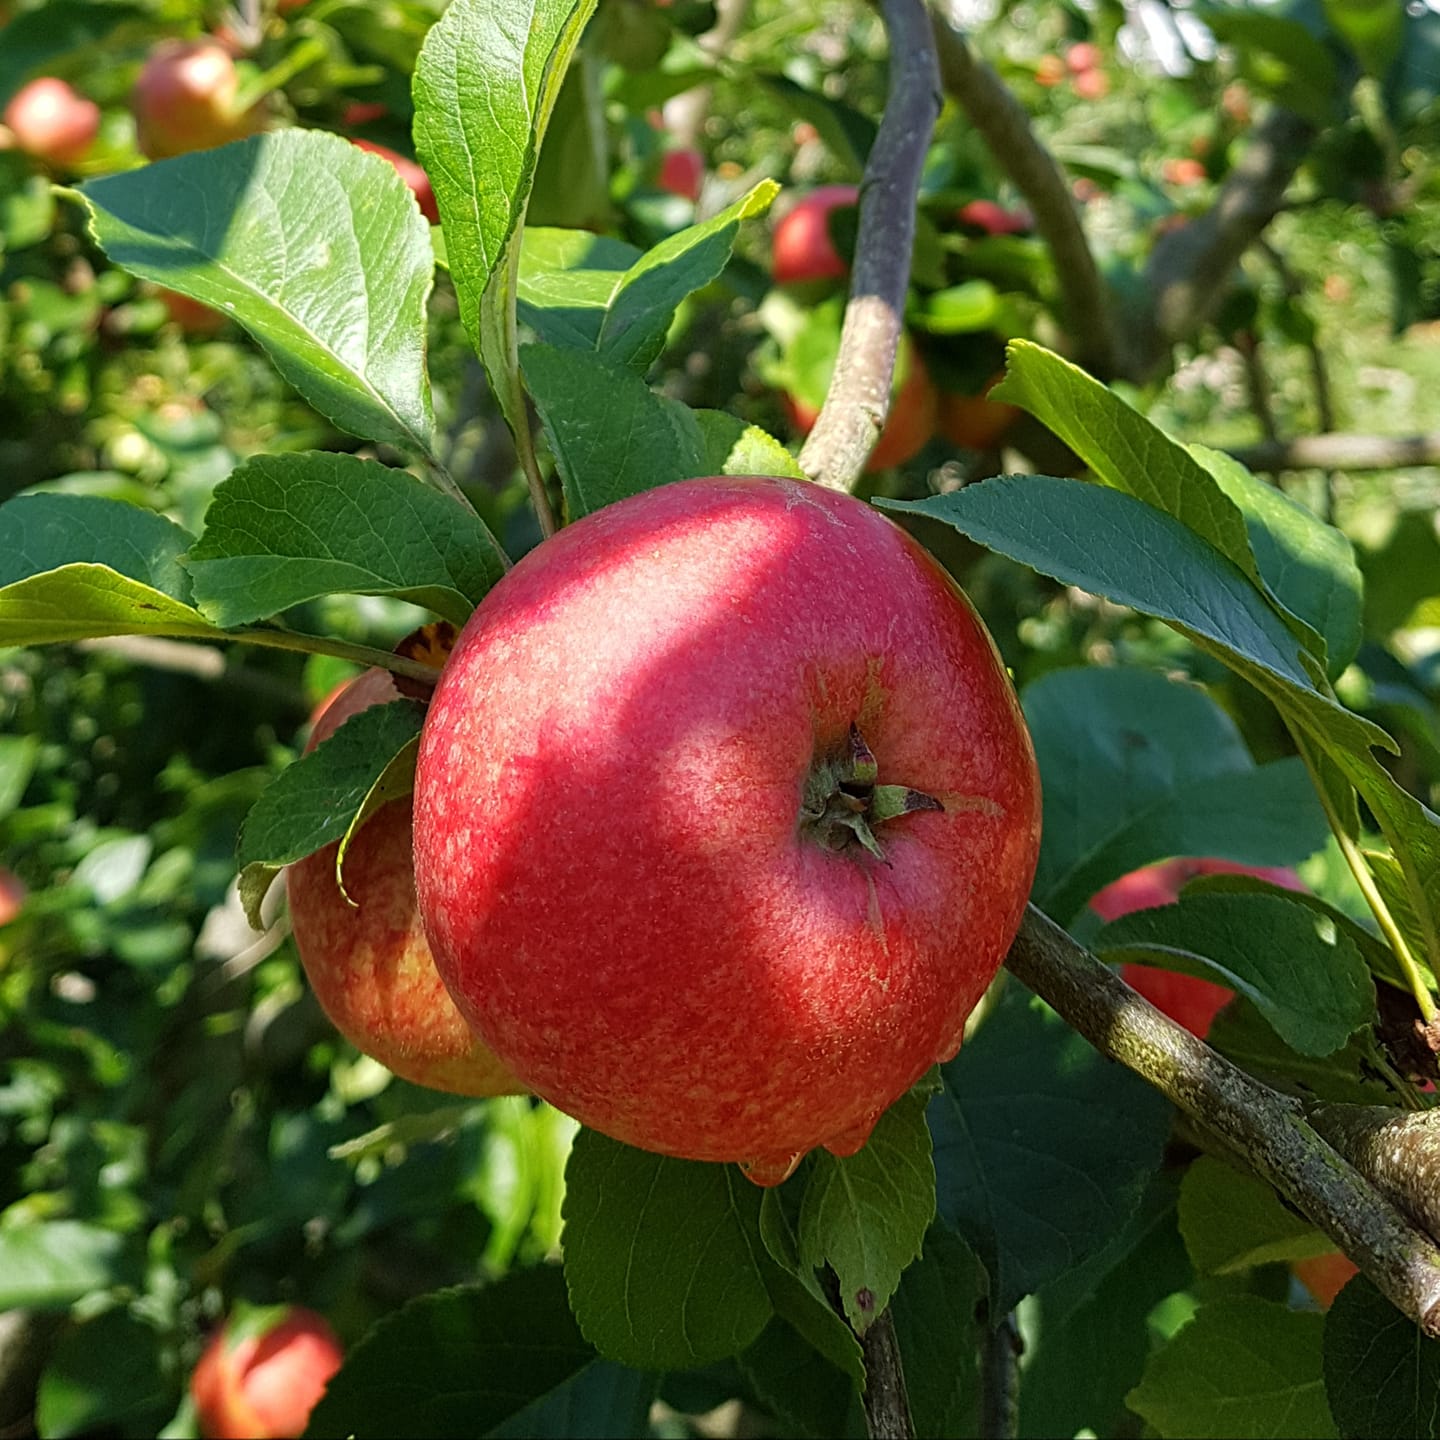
pixel 259 1379
pixel 1186 999
pixel 681 172
pixel 993 218
pixel 1182 170
pixel 411 174
pixel 12 896
pixel 1082 56
pixel 972 421
pixel 192 316
pixel 909 425
pixel 51 122
pixel 1325 1276
pixel 369 963
pixel 802 247
pixel 184 99
pixel 362 112
pixel 1049 71
pixel 1091 84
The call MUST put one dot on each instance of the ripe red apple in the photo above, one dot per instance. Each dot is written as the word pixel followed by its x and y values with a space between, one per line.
pixel 12 895
pixel 681 172
pixel 1325 1276
pixel 411 174
pixel 362 112
pixel 909 425
pixel 1083 56
pixel 1091 84
pixel 51 122
pixel 370 967
pixel 802 248
pixel 1182 170
pixel 184 99
pixel 260 1379
pixel 1186 999
pixel 972 421
pixel 680 847
pixel 994 218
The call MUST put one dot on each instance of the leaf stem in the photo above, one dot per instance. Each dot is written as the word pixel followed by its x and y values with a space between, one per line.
pixel 1000 1380
pixel 277 639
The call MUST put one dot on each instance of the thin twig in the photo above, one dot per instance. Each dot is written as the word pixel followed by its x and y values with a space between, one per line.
pixel 1190 270
pixel 886 1401
pixel 1000 1380
pixel 1268 1129
pixel 1005 127
pixel 858 400
pixel 1338 451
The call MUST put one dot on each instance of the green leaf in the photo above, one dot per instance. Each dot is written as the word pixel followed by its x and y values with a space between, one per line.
pixel 18 754
pixel 1232 1221
pixel 1303 974
pixel 315 246
pixel 731 447
pixel 1309 565
pixel 394 782
pixel 865 1215
pixel 106 1377
pixel 86 602
pixel 1137 768
pixel 848 133
pixel 284 529
pixel 1242 1369
pixel 1281 58
pixel 799 1386
pixel 612 435
pixel 1114 545
pixel 50 1265
pixel 314 802
pixel 498 1359
pixel 624 315
pixel 1042 1148
pixel 939 1334
pixel 39 533
pixel 485 85
pixel 663 1257
pixel 1382 1375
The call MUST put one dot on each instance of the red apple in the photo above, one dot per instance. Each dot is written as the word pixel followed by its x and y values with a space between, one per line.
pixel 1083 56
pixel 368 963
pixel 1091 84
pixel 651 809
pixel 12 895
pixel 411 174
pixel 260 1380
pixel 185 99
pixel 908 426
pixel 51 122
pixel 993 218
pixel 1325 1276
pixel 362 112
pixel 192 316
pixel 802 247
pixel 1182 170
pixel 972 421
pixel 1049 71
pixel 1186 999
pixel 681 172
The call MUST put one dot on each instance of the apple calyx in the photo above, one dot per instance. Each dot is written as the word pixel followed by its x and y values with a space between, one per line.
pixel 843 804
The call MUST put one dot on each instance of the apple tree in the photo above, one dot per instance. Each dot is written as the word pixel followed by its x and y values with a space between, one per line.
pixel 271 428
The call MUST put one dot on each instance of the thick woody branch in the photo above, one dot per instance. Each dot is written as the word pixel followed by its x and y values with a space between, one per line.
pixel 1341 452
pixel 886 1401
pixel 859 397
pixel 1005 127
pixel 1190 269
pixel 1268 1129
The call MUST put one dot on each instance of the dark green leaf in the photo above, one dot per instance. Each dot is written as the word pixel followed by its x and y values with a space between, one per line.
pixel 1042 1148
pixel 53 1263
pixel 36 38
pixel 939 1334
pixel 866 1214
pixel 284 529
pixel 848 134
pixel 1281 58
pixel 313 803
pixel 313 245
pixel 1382 1375
pixel 663 1257
pixel 106 1377
pixel 1303 974
pixel 43 532
pixel 499 1359
pixel 1242 1369
pixel 612 435
pixel 799 1387
pixel 1137 768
